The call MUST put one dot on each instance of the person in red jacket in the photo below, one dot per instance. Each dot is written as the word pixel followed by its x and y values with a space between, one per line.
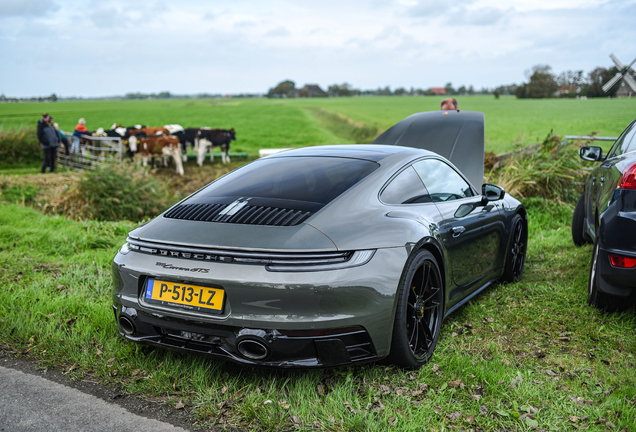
pixel 80 130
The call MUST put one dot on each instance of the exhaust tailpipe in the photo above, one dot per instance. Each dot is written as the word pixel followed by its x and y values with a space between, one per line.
pixel 253 349
pixel 126 325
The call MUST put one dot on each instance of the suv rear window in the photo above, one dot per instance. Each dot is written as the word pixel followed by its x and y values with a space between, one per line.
pixel 309 179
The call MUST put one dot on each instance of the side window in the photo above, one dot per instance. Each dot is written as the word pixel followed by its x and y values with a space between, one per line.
pixel 406 188
pixel 442 181
pixel 622 144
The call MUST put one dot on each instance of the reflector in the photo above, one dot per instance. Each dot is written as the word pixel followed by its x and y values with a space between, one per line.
pixel 621 261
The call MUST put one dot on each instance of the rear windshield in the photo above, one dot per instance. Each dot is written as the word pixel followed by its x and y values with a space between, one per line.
pixel 309 179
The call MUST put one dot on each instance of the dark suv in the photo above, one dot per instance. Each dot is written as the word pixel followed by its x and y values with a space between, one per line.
pixel 606 216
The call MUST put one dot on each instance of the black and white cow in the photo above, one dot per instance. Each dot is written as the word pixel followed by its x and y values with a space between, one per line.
pixel 214 138
pixel 188 138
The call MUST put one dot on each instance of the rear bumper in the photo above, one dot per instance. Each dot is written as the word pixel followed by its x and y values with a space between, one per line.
pixel 253 347
pixel 617 236
pixel 616 281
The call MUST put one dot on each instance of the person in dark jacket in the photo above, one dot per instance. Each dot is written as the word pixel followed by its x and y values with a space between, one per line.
pixel 48 138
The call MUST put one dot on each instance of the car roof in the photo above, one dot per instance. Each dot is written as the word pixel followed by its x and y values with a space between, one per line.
pixel 368 152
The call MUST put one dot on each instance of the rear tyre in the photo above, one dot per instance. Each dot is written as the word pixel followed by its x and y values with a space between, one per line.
pixel 579 237
pixel 516 252
pixel 419 313
pixel 596 298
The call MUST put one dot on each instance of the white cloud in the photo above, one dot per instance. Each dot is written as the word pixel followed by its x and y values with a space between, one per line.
pixel 249 46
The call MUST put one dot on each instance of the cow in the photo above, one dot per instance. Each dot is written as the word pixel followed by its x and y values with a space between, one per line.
pixel 149 131
pixel 160 146
pixel 215 138
pixel 188 139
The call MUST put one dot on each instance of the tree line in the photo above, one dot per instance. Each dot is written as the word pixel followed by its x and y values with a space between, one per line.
pixel 542 83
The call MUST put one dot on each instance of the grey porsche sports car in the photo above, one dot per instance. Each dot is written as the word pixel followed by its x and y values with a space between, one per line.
pixel 325 256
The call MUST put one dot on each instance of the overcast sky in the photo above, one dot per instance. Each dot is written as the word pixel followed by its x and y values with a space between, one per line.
pixel 98 48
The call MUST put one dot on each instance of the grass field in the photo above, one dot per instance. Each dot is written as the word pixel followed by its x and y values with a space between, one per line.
pixel 275 123
pixel 530 355
pixel 519 357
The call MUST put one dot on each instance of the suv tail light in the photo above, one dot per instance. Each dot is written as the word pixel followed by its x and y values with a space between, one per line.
pixel 622 261
pixel 628 179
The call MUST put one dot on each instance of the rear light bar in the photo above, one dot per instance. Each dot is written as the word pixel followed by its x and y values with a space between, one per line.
pixel 622 261
pixel 628 179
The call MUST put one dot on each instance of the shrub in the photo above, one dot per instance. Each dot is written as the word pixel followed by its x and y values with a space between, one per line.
pixel 553 171
pixel 112 192
pixel 19 146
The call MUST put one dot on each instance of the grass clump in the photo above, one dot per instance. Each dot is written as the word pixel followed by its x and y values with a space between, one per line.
pixel 19 194
pixel 19 146
pixel 552 171
pixel 112 192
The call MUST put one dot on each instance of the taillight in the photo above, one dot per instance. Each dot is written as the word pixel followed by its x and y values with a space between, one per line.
pixel 628 179
pixel 622 261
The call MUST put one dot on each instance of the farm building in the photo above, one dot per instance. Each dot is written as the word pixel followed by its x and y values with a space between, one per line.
pixel 311 90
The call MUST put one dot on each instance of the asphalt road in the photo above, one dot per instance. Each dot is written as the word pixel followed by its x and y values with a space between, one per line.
pixel 30 403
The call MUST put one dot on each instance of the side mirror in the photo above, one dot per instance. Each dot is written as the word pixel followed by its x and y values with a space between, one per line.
pixel 591 153
pixel 491 192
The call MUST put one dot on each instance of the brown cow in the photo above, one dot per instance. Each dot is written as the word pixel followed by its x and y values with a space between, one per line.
pixel 161 146
pixel 145 131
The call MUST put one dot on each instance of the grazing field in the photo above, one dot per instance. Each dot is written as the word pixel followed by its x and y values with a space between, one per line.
pixel 275 123
pixel 523 356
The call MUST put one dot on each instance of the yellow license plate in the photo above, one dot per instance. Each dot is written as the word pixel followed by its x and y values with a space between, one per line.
pixel 185 296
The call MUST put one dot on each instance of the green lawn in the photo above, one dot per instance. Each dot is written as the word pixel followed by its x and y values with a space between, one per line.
pixel 275 123
pixel 529 355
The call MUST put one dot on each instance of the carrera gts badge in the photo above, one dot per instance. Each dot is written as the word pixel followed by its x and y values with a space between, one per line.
pixel 171 267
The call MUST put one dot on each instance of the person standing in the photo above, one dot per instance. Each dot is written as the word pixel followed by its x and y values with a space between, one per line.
pixel 48 138
pixel 80 130
pixel 63 138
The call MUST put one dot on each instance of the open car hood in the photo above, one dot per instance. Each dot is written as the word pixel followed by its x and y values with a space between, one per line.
pixel 457 136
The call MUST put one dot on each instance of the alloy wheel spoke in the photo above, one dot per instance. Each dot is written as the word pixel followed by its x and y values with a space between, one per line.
pixel 433 305
pixel 415 335
pixel 433 294
pixel 426 331
pixel 425 277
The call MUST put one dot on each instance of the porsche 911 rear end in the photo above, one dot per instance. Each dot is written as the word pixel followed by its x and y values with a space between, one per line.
pixel 272 309
pixel 237 271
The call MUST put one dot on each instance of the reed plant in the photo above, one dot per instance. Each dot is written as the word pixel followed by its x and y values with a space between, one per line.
pixel 552 171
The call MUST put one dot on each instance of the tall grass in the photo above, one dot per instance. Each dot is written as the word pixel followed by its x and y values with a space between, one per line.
pixel 111 193
pixel 553 171
pixel 19 146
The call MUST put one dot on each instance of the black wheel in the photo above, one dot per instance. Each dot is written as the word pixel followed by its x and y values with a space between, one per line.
pixel 419 313
pixel 599 299
pixel 516 252
pixel 579 236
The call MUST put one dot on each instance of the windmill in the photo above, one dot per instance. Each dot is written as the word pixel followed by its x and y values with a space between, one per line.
pixel 624 72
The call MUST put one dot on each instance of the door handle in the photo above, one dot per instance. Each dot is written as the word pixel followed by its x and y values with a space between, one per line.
pixel 457 230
